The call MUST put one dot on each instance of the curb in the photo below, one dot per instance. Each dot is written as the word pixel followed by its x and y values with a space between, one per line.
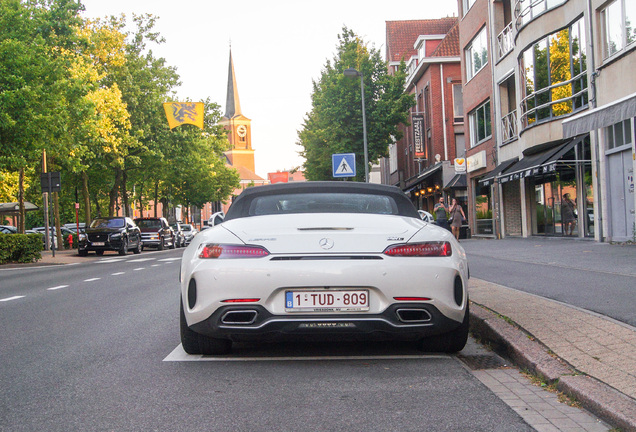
pixel 612 406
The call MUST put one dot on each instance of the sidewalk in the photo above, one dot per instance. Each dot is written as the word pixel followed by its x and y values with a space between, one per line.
pixel 590 357
pixel 61 257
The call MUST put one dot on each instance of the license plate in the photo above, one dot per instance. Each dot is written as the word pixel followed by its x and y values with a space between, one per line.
pixel 327 301
pixel 98 243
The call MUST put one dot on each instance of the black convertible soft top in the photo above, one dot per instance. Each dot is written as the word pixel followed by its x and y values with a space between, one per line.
pixel 241 206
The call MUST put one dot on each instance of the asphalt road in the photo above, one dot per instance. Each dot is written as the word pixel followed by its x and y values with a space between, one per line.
pixel 89 347
pixel 599 277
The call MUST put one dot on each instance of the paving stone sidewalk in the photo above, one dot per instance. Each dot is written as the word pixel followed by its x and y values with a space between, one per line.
pixel 597 346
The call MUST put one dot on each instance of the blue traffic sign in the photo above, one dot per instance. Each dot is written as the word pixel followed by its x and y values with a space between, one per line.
pixel 344 164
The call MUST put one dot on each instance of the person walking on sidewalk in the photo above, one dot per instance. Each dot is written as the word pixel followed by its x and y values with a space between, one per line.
pixel 457 218
pixel 440 214
pixel 568 215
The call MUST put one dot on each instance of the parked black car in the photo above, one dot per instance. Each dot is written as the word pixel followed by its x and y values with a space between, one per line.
pixel 110 233
pixel 156 232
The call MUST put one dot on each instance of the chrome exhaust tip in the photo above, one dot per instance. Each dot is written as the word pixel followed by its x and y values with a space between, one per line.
pixel 413 316
pixel 239 317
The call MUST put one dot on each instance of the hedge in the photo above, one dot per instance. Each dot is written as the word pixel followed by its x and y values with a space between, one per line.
pixel 22 248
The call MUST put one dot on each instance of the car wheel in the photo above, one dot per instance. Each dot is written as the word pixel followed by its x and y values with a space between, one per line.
pixel 137 250
pixel 178 243
pixel 142 247
pixel 162 246
pixel 124 247
pixel 99 252
pixel 195 343
pixel 173 244
pixel 450 342
pixel 82 253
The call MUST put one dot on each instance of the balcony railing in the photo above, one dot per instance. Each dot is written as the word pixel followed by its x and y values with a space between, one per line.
pixel 505 41
pixel 509 126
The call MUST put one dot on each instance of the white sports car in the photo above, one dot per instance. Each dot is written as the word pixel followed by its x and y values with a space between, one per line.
pixel 323 260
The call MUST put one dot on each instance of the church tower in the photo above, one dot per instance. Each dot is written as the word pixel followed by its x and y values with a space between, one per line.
pixel 241 154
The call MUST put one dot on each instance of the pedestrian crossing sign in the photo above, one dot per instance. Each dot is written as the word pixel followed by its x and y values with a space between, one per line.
pixel 344 164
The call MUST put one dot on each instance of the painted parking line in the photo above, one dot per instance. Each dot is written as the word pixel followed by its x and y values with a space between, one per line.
pixel 155 265
pixel 57 287
pixel 179 355
pixel 170 259
pixel 91 279
pixel 117 274
pixel 139 268
pixel 11 298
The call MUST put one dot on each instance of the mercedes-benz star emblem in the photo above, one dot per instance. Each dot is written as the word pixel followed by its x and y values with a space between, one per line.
pixel 326 243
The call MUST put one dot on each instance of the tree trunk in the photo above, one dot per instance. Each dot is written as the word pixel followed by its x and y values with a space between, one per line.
pixel 156 197
pixel 22 211
pixel 124 193
pixel 113 194
pixel 87 199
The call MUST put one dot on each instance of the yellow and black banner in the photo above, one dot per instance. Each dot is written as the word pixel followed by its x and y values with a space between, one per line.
pixel 179 113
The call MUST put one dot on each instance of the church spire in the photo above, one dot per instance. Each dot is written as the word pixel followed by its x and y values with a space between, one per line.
pixel 232 105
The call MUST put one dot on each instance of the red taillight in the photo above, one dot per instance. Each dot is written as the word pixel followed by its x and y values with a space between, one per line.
pixel 245 300
pixel 410 299
pixel 223 251
pixel 427 249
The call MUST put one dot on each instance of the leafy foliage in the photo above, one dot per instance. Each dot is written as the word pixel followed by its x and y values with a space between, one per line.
pixel 334 124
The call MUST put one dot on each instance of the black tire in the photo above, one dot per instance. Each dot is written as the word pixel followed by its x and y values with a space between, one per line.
pixel 451 342
pixel 178 243
pixel 99 252
pixel 195 343
pixel 137 250
pixel 142 247
pixel 162 246
pixel 124 248
pixel 82 253
pixel 173 244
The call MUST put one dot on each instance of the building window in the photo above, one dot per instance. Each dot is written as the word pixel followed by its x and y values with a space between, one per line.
pixel 527 10
pixel 458 104
pixel 618 20
pixel 476 54
pixel 480 125
pixel 554 74
pixel 618 135
pixel 467 5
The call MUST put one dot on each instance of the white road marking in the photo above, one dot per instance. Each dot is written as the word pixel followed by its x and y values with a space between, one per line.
pixel 170 259
pixel 57 287
pixel 155 265
pixel 11 298
pixel 141 260
pixel 91 279
pixel 179 355
pixel 117 274
pixel 139 268
pixel 110 260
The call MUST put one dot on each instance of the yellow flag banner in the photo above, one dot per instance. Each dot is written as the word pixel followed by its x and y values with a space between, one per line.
pixel 179 113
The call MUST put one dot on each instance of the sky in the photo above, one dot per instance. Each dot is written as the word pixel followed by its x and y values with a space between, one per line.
pixel 278 46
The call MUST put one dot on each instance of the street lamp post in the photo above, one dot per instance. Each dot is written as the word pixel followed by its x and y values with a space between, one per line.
pixel 354 73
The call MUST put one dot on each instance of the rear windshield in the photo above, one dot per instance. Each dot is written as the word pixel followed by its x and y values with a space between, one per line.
pixel 107 223
pixel 323 203
pixel 148 223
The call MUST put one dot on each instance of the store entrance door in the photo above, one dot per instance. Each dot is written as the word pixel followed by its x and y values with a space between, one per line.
pixel 547 205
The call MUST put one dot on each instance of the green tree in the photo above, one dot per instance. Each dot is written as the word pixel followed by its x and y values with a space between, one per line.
pixel 334 124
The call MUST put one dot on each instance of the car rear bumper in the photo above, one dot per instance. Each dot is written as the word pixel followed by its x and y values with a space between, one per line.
pixel 403 321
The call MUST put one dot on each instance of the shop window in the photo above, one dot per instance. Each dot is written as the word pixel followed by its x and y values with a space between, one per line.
pixel 483 211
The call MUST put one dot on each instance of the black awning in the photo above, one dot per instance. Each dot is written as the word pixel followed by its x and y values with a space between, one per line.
pixel 538 163
pixel 489 178
pixel 421 177
pixel 457 182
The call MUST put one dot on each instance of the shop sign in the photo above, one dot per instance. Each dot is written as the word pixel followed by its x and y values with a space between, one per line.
pixel 476 161
pixel 418 136
pixel 460 165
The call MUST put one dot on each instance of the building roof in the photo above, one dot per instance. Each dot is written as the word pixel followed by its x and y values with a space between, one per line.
pixel 449 47
pixel 247 174
pixel 401 35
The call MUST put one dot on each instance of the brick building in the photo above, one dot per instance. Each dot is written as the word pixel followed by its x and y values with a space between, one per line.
pixel 422 162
